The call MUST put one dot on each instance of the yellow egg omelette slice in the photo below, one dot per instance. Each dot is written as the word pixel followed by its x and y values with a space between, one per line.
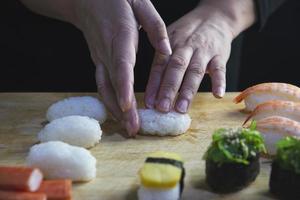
pixel 161 170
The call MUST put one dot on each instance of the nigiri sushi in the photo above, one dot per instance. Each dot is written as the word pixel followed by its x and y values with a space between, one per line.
pixel 162 124
pixel 75 130
pixel 275 128
pixel 232 159
pixel 58 160
pixel 285 174
pixel 83 106
pixel 286 109
pixel 162 177
pixel 264 92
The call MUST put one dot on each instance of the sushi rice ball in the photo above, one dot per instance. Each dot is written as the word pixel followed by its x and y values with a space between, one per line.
pixel 75 130
pixel 84 106
pixel 162 177
pixel 58 160
pixel 162 124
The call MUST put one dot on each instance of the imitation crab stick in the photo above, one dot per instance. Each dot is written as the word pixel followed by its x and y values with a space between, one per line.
pixel 16 195
pixel 56 189
pixel 20 178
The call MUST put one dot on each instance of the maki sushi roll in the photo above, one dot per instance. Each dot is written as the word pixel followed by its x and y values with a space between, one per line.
pixel 232 159
pixel 162 177
pixel 285 173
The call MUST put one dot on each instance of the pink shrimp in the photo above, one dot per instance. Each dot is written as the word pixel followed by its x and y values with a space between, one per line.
pixel 286 109
pixel 274 128
pixel 268 91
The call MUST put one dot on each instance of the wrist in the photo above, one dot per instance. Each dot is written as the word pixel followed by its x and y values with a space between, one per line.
pixel 236 16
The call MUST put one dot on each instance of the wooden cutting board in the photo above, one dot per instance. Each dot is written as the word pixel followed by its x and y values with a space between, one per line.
pixel 22 115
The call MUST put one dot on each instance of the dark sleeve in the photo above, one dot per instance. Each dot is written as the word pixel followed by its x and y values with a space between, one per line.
pixel 265 8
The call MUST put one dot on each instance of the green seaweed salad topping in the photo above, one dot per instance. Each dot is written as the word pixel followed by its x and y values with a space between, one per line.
pixel 235 145
pixel 288 154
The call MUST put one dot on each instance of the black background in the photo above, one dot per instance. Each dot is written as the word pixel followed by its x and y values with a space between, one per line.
pixel 42 54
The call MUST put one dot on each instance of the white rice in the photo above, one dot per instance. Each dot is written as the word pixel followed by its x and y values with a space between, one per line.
pixel 75 130
pixel 58 160
pixel 145 193
pixel 84 106
pixel 156 123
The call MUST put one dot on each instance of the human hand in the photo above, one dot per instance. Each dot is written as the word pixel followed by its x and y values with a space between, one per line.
pixel 111 30
pixel 201 42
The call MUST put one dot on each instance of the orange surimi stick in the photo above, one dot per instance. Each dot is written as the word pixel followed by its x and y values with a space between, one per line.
pixel 56 189
pixel 20 178
pixel 15 195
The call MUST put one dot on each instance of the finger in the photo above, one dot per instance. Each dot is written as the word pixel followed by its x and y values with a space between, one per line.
pixel 158 66
pixel 106 91
pixel 123 61
pixel 130 120
pixel 153 24
pixel 217 72
pixel 172 78
pixel 191 82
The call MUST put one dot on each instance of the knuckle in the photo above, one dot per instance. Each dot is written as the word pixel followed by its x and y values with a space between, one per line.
pixel 120 81
pixel 157 30
pixel 123 63
pixel 195 37
pixel 167 89
pixel 178 63
pixel 188 92
pixel 102 85
pixel 159 25
pixel 126 30
pixel 200 41
pixel 160 60
pixel 219 69
pixel 196 69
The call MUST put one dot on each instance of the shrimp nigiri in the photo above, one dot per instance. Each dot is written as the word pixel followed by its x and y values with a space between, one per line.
pixel 286 109
pixel 274 128
pixel 268 91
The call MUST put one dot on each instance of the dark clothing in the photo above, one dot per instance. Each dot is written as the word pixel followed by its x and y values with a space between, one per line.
pixel 265 8
pixel 42 54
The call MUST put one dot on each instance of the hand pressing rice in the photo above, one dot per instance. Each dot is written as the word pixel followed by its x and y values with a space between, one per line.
pixel 58 160
pixel 84 106
pixel 162 124
pixel 75 130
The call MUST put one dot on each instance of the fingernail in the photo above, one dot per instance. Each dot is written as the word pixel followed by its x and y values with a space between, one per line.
pixel 220 92
pixel 124 104
pixel 164 105
pixel 150 103
pixel 165 47
pixel 131 128
pixel 182 106
pixel 128 128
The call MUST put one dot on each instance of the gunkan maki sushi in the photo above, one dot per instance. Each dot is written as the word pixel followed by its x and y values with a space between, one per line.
pixel 285 173
pixel 232 159
pixel 162 177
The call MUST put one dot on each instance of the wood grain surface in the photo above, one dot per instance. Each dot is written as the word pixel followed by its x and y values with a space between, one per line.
pixel 22 115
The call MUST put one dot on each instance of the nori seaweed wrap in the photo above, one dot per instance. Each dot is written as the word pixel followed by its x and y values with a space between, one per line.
pixel 232 159
pixel 285 173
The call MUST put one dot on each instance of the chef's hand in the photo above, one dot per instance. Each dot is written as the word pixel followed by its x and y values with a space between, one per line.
pixel 111 30
pixel 201 42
